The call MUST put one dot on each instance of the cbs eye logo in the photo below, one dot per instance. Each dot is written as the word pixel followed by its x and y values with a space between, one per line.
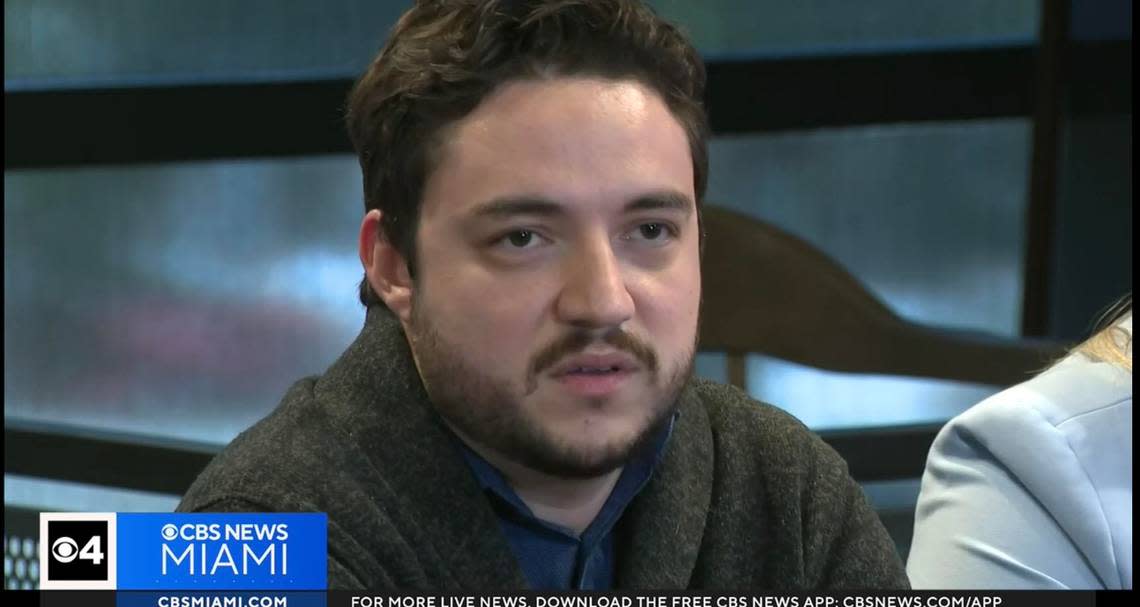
pixel 76 551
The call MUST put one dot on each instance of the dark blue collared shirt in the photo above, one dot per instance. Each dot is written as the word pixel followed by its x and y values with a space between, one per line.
pixel 555 557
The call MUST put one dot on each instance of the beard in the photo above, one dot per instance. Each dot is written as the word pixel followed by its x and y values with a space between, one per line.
pixel 490 412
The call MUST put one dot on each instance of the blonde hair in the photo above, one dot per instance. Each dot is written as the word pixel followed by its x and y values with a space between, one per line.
pixel 1111 344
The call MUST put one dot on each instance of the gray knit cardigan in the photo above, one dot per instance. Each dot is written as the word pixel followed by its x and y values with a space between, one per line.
pixel 745 497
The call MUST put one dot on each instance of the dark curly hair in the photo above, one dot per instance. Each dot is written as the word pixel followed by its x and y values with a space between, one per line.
pixel 444 57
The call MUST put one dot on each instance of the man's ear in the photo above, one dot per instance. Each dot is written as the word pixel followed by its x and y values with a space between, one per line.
pixel 385 268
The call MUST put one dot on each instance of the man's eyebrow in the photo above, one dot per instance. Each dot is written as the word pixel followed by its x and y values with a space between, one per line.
pixel 661 200
pixel 533 205
pixel 522 205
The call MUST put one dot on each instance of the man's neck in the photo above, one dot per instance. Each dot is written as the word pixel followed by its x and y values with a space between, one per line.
pixel 571 503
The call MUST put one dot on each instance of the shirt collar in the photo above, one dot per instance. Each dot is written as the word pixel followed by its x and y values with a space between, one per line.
pixel 636 473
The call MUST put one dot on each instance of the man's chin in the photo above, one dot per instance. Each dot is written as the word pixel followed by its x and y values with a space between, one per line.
pixel 570 406
pixel 588 450
pixel 579 461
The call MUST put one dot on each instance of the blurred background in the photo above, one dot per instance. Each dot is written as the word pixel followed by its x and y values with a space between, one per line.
pixel 181 207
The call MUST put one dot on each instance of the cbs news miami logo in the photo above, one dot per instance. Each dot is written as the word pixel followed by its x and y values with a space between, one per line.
pixel 183 551
pixel 77 551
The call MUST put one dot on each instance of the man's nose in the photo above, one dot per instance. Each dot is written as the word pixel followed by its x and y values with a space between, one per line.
pixel 594 294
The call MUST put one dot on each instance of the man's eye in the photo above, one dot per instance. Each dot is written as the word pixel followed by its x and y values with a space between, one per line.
pixel 651 231
pixel 520 239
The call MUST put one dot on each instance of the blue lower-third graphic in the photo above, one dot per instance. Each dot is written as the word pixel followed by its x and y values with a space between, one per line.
pixel 278 552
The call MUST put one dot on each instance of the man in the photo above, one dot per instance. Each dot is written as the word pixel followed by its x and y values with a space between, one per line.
pixel 518 410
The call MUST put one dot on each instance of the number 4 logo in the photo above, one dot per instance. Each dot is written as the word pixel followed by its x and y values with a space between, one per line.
pixel 63 550
pixel 92 551
pixel 77 551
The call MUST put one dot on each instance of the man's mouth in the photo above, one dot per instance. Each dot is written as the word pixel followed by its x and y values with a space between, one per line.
pixel 593 370
pixel 596 363
pixel 595 375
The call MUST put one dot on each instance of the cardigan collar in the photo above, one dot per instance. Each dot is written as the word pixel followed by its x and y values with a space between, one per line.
pixel 374 393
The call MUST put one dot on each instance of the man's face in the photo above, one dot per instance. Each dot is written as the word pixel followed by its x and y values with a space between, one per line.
pixel 554 314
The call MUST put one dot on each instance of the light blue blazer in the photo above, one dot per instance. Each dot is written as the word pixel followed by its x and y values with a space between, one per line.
pixel 1032 487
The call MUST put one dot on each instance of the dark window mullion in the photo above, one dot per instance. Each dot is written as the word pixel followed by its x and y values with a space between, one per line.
pixel 180 123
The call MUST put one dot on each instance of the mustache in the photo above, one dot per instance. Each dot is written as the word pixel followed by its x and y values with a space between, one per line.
pixel 578 341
